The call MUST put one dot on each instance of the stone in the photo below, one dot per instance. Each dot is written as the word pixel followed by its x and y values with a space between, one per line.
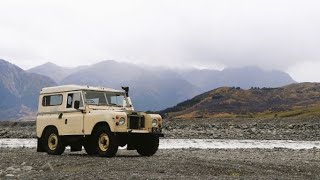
pixel 9 175
pixel 17 170
pixel 27 168
pixel 291 126
pixel 32 171
pixel 10 168
pixel 47 167
pixel 24 163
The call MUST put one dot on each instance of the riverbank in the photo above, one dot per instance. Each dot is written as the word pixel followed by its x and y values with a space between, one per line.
pixel 26 163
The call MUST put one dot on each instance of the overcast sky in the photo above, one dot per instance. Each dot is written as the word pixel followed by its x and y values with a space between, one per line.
pixel 272 34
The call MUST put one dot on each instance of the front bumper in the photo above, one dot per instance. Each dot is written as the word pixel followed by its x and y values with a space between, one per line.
pixel 158 132
pixel 155 131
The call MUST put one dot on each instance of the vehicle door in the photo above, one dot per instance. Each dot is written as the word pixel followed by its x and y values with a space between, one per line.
pixel 73 118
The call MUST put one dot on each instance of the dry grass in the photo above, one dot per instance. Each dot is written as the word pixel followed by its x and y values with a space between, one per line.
pixel 301 100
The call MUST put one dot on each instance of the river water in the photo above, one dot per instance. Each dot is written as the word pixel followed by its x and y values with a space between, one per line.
pixel 195 143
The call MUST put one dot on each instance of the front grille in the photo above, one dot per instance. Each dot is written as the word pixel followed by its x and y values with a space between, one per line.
pixel 136 122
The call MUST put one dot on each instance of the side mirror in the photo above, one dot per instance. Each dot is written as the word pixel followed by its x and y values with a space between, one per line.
pixel 76 104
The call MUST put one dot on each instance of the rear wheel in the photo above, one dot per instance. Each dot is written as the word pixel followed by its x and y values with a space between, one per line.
pixel 148 146
pixel 105 142
pixel 53 141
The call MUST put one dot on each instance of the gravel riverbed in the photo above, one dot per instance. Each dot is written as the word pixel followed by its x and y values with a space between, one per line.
pixel 26 163
pixel 276 163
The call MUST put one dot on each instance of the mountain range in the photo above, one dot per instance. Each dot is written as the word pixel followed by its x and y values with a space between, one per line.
pixel 245 77
pixel 154 88
pixel 151 88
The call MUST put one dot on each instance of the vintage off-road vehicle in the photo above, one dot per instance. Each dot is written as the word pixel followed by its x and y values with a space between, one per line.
pixel 100 119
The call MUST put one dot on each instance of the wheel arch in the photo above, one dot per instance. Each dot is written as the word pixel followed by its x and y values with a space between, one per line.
pixel 49 127
pixel 100 124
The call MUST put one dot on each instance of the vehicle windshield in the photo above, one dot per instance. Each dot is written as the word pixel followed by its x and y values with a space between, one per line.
pixel 105 98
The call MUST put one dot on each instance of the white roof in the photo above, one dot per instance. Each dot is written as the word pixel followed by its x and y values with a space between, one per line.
pixel 72 87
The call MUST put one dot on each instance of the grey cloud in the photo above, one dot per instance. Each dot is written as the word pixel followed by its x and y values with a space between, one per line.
pixel 272 34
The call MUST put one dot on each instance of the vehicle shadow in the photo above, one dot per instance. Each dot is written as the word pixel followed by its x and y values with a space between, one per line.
pixel 86 155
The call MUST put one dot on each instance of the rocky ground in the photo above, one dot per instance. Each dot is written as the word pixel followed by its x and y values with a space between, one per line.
pixel 241 128
pixel 24 163
pixel 17 129
pixel 166 164
pixel 236 128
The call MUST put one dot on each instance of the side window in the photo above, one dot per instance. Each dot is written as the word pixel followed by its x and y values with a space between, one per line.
pixel 72 97
pixel 52 100
pixel 77 97
pixel 69 100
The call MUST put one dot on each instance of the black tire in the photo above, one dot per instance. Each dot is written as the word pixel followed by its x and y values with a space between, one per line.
pixel 148 146
pixel 89 146
pixel 40 145
pixel 105 142
pixel 53 142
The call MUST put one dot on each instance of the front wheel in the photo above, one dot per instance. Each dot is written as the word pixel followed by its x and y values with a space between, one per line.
pixel 53 141
pixel 148 146
pixel 89 146
pixel 105 142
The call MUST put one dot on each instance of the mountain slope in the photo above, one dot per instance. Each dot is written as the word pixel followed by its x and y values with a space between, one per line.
pixel 228 101
pixel 245 77
pixel 19 91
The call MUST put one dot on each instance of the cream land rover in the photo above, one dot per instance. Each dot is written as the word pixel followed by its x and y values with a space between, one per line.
pixel 100 119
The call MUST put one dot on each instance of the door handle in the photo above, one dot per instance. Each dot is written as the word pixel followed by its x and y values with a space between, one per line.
pixel 60 115
pixel 66 121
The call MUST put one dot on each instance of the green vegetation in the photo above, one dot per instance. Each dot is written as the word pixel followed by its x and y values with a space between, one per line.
pixel 306 112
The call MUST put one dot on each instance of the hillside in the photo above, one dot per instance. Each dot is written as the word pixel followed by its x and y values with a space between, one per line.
pixel 19 91
pixel 154 88
pixel 300 99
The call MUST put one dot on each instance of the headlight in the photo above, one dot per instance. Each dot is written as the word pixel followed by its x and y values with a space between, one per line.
pixel 154 122
pixel 122 120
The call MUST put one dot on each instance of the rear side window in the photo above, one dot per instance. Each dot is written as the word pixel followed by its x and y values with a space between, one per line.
pixel 53 100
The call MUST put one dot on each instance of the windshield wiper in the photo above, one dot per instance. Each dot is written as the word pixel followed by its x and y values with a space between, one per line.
pixel 102 104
